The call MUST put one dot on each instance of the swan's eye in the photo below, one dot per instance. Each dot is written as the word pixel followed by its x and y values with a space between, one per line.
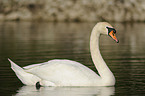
pixel 111 33
pixel 111 29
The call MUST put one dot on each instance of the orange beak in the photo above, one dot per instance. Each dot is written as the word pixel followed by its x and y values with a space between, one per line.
pixel 112 35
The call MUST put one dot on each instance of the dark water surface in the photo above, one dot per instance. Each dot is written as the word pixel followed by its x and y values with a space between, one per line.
pixel 35 42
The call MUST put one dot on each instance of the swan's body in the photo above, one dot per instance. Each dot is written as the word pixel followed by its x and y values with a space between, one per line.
pixel 70 73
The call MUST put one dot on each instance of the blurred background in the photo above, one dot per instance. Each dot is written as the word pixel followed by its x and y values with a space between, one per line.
pixel 35 31
pixel 73 10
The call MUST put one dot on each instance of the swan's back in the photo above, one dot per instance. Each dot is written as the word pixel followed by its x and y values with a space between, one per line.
pixel 64 73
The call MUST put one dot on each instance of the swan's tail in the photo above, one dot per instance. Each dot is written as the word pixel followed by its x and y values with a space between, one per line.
pixel 15 67
pixel 25 77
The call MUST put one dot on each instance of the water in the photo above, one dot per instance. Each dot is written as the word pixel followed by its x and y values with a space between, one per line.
pixel 35 42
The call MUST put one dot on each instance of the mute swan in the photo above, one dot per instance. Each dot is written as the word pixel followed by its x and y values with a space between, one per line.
pixel 71 73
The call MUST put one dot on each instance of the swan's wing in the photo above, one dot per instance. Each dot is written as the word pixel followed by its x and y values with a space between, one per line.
pixel 64 73
pixel 34 65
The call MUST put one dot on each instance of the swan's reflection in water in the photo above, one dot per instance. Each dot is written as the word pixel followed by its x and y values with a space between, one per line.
pixel 65 91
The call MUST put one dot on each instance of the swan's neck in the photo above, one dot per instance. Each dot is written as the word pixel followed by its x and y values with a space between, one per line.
pixel 103 70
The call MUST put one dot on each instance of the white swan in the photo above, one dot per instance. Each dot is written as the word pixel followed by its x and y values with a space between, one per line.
pixel 71 73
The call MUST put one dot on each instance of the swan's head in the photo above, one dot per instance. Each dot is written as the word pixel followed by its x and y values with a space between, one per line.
pixel 106 29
